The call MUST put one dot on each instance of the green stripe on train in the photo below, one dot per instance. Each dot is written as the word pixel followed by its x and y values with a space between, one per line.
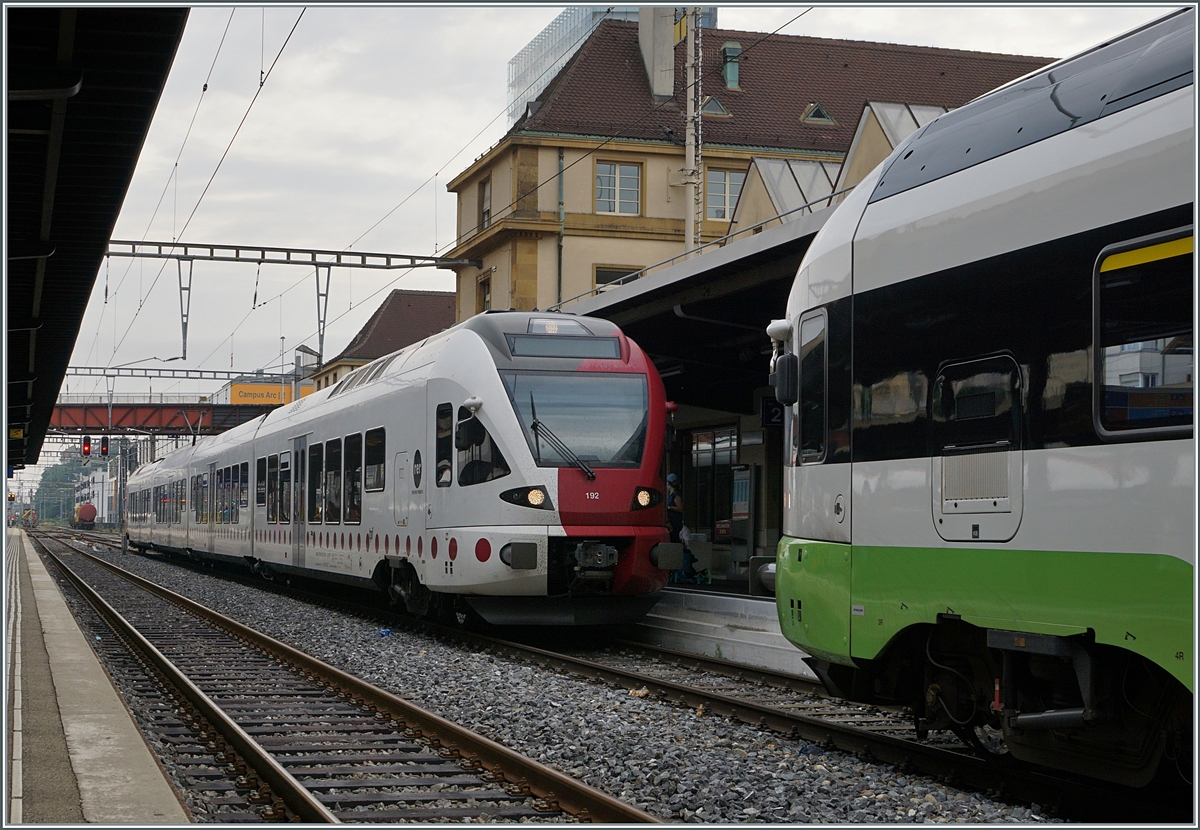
pixel 1139 602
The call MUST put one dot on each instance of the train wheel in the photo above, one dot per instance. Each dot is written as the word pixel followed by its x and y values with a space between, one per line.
pixel 986 741
pixel 407 587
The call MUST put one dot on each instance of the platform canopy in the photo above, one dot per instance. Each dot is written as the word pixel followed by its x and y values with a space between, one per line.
pixel 83 84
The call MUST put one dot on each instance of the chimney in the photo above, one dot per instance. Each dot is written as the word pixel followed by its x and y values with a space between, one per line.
pixel 656 36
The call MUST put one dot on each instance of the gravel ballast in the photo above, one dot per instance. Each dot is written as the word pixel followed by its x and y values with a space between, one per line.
pixel 674 762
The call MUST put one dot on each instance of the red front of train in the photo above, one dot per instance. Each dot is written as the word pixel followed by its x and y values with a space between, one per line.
pixel 622 507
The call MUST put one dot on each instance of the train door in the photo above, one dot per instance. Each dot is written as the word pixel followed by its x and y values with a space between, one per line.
pixel 300 480
pixel 402 492
pixel 977 476
pixel 208 500
pixel 816 445
pixel 440 429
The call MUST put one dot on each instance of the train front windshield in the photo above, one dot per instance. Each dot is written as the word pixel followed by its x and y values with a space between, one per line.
pixel 600 417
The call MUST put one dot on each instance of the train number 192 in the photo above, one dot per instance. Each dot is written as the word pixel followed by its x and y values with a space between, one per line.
pixel 592 496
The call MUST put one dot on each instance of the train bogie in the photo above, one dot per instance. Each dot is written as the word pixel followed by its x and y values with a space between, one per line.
pixel 510 463
pixel 990 470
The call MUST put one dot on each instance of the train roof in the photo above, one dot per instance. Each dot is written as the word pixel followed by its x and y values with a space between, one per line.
pixel 1143 64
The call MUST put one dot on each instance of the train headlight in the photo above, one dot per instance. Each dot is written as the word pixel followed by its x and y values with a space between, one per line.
pixel 535 497
pixel 644 497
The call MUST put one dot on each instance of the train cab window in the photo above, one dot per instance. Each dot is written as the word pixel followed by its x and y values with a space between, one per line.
pixel 445 445
pixel 285 488
pixel 1143 330
pixel 272 489
pixel 479 458
pixel 333 481
pixel 808 435
pixel 260 483
pixel 376 456
pixel 353 478
pixel 316 476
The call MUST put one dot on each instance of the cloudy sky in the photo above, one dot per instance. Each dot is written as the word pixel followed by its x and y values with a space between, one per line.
pixel 366 115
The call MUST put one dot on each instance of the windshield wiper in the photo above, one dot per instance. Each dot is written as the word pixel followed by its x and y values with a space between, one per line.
pixel 555 442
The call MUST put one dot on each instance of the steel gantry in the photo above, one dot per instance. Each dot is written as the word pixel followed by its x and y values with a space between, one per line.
pixel 270 255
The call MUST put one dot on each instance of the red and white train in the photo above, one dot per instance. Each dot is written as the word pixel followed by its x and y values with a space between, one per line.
pixel 510 467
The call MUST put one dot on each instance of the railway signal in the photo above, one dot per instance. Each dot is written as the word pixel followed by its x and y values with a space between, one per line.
pixel 104 445
pixel 85 446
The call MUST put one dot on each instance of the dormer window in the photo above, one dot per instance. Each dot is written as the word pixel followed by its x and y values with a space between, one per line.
pixel 730 52
pixel 816 114
pixel 712 106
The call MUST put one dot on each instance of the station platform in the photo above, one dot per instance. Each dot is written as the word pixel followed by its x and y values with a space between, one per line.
pixel 73 753
pixel 704 620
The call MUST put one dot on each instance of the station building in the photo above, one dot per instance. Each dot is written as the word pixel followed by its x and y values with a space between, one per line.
pixel 586 192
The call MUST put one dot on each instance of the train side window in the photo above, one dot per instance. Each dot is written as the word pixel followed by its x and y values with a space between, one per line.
pixel 222 490
pixel 272 489
pixel 445 445
pixel 376 457
pixel 260 484
pixel 333 481
pixel 205 498
pixel 245 497
pixel 353 479
pixel 809 439
pixel 479 458
pixel 316 476
pixel 1143 333
pixel 235 489
pixel 227 496
pixel 285 488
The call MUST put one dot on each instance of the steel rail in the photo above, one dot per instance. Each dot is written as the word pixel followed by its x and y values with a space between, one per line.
pixel 1094 800
pixel 554 787
pixel 1082 799
pixel 297 798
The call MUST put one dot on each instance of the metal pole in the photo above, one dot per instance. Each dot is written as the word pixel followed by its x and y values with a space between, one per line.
pixel 689 162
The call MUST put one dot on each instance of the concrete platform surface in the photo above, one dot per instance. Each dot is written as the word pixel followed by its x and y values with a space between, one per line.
pixel 77 755
pixel 742 629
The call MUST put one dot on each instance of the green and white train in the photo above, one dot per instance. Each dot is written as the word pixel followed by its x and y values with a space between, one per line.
pixel 987 369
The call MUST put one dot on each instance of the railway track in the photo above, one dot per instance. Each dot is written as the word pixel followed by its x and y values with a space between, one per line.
pixel 798 708
pixel 271 733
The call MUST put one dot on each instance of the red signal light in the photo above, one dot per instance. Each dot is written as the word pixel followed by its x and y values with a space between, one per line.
pixel 104 445
pixel 86 446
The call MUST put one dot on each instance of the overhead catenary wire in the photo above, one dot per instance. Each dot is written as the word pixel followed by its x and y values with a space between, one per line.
pixel 687 90
pixel 217 169
pixel 404 201
pixel 172 175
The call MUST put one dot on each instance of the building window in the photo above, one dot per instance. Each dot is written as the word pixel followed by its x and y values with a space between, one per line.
pixel 618 188
pixel 606 274
pixel 722 189
pixel 729 63
pixel 483 297
pixel 712 106
pixel 485 203
pixel 814 113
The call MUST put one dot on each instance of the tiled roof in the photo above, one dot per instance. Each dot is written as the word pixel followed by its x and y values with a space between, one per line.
pixel 401 320
pixel 603 90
